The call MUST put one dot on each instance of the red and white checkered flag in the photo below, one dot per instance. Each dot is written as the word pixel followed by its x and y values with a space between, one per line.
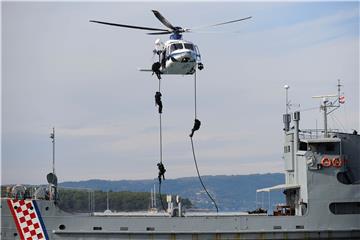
pixel 27 219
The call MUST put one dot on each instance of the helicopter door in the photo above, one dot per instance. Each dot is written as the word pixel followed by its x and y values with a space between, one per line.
pixel 163 58
pixel 198 55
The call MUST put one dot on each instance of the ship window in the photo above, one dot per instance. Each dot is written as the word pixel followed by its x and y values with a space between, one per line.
pixel 340 208
pixel 150 229
pixel 124 228
pixel 277 227
pixel 303 146
pixel 175 46
pixel 97 228
pixel 62 227
pixel 325 147
pixel 286 149
pixel 189 46
pixel 330 147
pixel 300 227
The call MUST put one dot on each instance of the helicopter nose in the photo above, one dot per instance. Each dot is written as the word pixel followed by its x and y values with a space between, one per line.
pixel 187 57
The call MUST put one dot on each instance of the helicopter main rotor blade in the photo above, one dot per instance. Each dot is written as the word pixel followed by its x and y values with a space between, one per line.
pixel 223 23
pixel 163 20
pixel 130 26
pixel 159 33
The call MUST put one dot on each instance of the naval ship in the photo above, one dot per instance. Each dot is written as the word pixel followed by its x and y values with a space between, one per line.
pixel 322 192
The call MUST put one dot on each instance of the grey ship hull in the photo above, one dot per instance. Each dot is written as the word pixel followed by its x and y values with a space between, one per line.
pixel 61 225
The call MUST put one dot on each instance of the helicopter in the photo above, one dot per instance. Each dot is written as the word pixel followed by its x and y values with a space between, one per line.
pixel 175 56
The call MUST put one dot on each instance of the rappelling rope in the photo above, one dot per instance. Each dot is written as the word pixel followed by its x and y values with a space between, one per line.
pixel 195 100
pixel 162 203
pixel 160 137
pixel 161 151
pixel 193 149
pixel 198 173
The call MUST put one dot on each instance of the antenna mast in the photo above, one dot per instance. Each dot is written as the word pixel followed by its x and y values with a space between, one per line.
pixel 286 116
pixel 107 200
pixel 286 87
pixel 326 104
pixel 154 197
pixel 52 136
pixel 51 177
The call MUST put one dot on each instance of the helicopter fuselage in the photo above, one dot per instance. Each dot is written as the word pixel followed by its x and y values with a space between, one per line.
pixel 178 57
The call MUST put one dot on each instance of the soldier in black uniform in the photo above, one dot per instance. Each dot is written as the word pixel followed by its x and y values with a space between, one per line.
pixel 162 171
pixel 158 101
pixel 196 127
pixel 156 69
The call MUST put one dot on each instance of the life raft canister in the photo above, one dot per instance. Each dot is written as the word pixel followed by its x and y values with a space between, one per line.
pixel 337 162
pixel 326 162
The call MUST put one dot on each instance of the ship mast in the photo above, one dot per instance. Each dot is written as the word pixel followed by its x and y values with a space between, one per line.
pixel 52 136
pixel 107 200
pixel 51 177
pixel 330 106
pixel 286 116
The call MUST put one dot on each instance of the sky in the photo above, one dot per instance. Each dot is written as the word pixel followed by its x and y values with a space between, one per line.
pixel 59 70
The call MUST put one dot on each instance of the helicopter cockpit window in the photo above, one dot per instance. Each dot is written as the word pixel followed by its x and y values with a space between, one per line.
pixel 176 46
pixel 189 46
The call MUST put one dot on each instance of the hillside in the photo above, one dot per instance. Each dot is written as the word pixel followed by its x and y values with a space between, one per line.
pixel 78 201
pixel 232 193
pixel 82 200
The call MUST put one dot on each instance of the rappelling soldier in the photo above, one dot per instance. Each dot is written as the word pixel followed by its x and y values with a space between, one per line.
pixel 156 69
pixel 162 171
pixel 158 101
pixel 196 127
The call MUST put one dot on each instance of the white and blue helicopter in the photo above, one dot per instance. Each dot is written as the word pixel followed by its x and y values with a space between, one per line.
pixel 176 56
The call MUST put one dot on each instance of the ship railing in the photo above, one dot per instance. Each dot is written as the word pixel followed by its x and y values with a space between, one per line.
pixel 20 192
pixel 41 192
pixel 315 133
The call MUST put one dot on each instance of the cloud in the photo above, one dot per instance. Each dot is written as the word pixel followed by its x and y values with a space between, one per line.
pixel 282 40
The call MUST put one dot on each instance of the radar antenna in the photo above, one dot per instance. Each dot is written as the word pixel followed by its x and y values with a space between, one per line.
pixel 329 106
